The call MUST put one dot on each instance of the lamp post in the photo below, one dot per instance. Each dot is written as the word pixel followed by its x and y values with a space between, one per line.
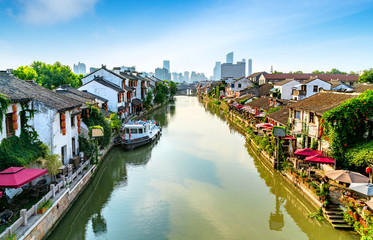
pixel 96 133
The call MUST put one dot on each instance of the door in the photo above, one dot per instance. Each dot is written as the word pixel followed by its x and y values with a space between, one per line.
pixel 73 146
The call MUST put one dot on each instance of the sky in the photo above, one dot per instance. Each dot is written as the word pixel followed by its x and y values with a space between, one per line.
pixel 289 35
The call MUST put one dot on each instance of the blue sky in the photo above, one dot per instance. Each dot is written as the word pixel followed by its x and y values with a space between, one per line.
pixel 290 34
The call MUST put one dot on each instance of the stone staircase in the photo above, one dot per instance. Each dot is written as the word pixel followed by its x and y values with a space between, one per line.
pixel 334 214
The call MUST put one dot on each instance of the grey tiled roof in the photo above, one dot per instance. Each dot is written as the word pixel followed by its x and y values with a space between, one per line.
pixel 19 90
pixel 106 83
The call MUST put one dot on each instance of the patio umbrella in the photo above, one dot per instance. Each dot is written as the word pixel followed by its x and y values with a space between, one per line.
pixel 320 159
pixel 306 152
pixel 289 137
pixel 15 177
pixel 263 125
pixel 347 176
pixel 364 188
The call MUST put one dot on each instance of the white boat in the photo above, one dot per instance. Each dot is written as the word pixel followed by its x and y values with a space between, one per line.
pixel 138 133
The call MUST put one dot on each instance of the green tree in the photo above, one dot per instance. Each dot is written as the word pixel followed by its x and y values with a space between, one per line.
pixel 148 100
pixel 49 76
pixel 173 88
pixel 318 72
pixel 25 73
pixel 336 71
pixel 367 76
pixel 52 162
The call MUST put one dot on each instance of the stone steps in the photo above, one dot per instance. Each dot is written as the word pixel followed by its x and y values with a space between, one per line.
pixel 335 216
pixel 342 226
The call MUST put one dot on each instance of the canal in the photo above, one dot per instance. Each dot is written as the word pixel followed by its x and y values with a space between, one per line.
pixel 198 181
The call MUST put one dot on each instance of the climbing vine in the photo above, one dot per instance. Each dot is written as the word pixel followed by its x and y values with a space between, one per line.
pixel 93 117
pixel 4 103
pixel 27 114
pixel 349 124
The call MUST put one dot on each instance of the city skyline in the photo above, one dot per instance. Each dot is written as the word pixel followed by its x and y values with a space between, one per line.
pixel 325 35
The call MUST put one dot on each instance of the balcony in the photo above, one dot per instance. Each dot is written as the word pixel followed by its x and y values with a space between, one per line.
pixel 298 93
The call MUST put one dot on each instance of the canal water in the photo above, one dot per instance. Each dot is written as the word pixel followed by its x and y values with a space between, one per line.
pixel 198 181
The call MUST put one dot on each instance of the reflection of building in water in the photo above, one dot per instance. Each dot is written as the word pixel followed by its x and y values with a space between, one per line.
pixel 276 219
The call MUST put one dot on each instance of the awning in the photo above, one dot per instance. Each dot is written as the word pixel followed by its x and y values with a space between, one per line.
pixel 306 152
pixel 136 102
pixel 320 159
pixel 15 177
pixel 289 138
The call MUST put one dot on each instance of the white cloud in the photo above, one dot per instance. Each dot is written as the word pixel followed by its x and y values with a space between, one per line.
pixel 48 12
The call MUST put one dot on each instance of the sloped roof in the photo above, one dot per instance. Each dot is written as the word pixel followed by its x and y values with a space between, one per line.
pixel 246 96
pixel 363 87
pixel 261 103
pixel 313 79
pixel 106 83
pixel 264 89
pixel 281 83
pixel 281 115
pixel 82 97
pixel 128 75
pixel 323 101
pixel 95 96
pixel 255 74
pixel 19 90
pixel 305 76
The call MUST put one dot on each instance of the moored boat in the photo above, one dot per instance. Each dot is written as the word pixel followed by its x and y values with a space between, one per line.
pixel 138 133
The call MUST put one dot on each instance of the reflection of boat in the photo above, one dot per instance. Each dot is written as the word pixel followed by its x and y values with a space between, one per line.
pixel 138 133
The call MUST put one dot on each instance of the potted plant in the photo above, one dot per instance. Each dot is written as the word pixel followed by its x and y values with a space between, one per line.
pixel 43 207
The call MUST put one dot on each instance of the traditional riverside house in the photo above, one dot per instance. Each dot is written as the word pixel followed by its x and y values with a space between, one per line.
pixel 308 88
pixel 115 95
pixel 305 116
pixel 134 85
pixel 12 89
pixel 283 89
pixel 238 85
pixel 255 77
pixel 339 86
pixel 116 80
pixel 55 118
pixel 247 97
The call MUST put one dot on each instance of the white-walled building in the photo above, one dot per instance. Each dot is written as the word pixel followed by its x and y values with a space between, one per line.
pixel 115 95
pixel 55 117
pixel 240 84
pixel 308 88
pixel 285 88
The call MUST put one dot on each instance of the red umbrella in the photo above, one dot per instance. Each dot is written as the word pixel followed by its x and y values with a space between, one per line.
pixel 239 106
pixel 289 137
pixel 320 159
pixel 307 152
pixel 15 177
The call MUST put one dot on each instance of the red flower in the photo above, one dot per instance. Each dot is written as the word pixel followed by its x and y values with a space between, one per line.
pixel 345 144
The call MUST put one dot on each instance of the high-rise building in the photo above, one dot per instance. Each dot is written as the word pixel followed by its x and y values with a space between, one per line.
pixel 166 65
pixel 79 68
pixel 250 66
pixel 186 76
pixel 233 71
pixel 163 74
pixel 217 71
pixel 230 58
pixel 92 69
pixel 175 77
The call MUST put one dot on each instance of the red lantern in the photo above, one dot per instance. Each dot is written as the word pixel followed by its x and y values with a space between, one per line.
pixel 14 108
pixel 368 170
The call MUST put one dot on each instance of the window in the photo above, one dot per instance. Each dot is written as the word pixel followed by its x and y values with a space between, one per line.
pixel 315 88
pixel 140 130
pixel 133 130
pixel 9 125
pixel 119 98
pixel 73 146
pixel 297 114
pixel 63 154
pixel 73 121
pixel 312 117
pixel 239 85
pixel 303 88
pixel 232 85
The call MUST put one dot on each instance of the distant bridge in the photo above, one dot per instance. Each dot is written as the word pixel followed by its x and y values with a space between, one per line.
pixel 186 89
